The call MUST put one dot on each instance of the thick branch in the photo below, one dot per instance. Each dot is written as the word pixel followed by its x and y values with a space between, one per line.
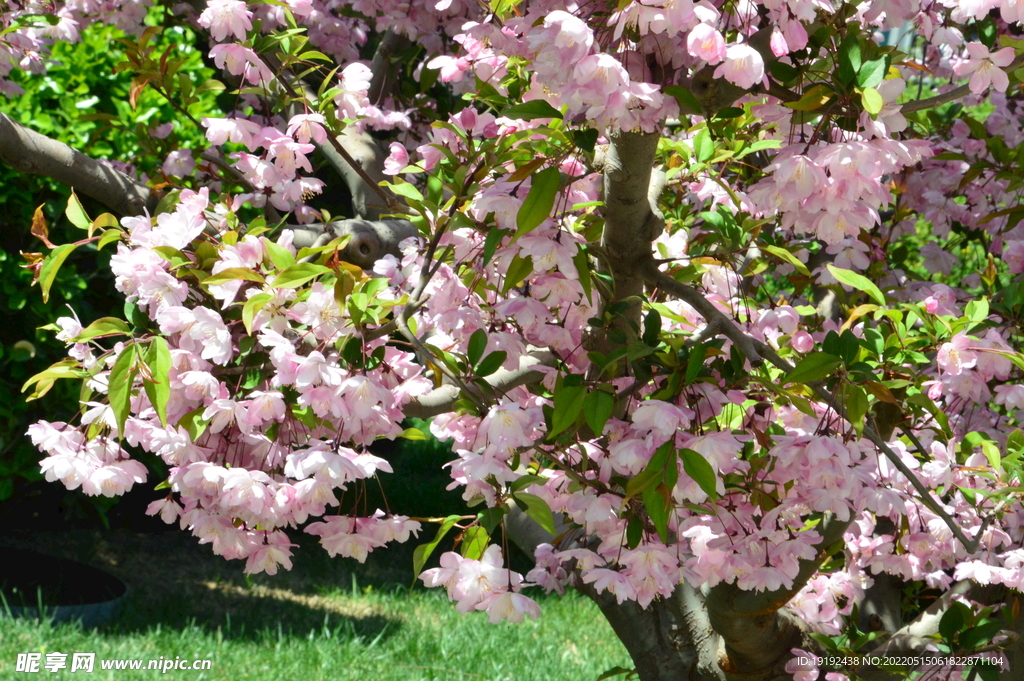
pixel 440 400
pixel 359 160
pixel 369 242
pixel 28 151
pixel 915 637
pixel 382 65
pixel 757 631
pixel 689 608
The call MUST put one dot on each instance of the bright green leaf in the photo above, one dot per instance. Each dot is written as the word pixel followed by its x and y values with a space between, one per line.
pixel 76 214
pixel 568 405
pixel 158 384
pixel 698 468
pixel 814 367
pixel 474 542
pixel 528 111
pixel 423 551
pixel 597 409
pixel 537 509
pixel 298 274
pixel 50 266
pixel 119 390
pixel 539 202
pixel 105 326
pixel 235 274
pixel 872 101
pixel 857 281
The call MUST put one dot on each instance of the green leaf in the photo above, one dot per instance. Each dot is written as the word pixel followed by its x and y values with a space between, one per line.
pixel 528 111
pixel 491 241
pixel 634 532
pixel 105 326
pixel 527 480
pixel 520 268
pixel 703 146
pixel 654 473
pixel 474 542
pixel 52 263
pixel 849 59
pixel 477 345
pixel 687 100
pixel 597 409
pixel 857 281
pixel 107 237
pixel 194 423
pixel 584 139
pixel 977 310
pixel 158 385
pixel 953 621
pixel 298 274
pixel 697 467
pixel 252 307
pixel 67 368
pixel 539 202
pixel 582 263
pixel 856 405
pixel 813 98
pixel 695 363
pixel 652 328
pixel 235 274
pixel 407 190
pixel 871 73
pixel 783 254
pixel 568 405
pixel 814 367
pixel 278 254
pixel 423 551
pixel 491 363
pixel 656 501
pixel 537 509
pixel 119 391
pixel 872 101
pixel 413 434
pixel 759 145
pixel 492 517
pixel 76 214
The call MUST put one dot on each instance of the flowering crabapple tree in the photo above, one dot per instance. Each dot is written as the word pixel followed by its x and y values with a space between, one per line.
pixel 719 302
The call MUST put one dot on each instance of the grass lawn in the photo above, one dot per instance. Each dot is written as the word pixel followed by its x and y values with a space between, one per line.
pixel 327 619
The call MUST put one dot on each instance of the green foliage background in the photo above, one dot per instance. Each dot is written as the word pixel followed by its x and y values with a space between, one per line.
pixel 81 101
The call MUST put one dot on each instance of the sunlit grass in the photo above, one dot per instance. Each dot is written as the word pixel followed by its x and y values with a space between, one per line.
pixel 324 625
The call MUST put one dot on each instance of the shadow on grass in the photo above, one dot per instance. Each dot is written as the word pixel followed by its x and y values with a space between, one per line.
pixel 176 584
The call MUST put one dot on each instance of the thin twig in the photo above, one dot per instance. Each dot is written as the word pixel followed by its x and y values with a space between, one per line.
pixel 955 93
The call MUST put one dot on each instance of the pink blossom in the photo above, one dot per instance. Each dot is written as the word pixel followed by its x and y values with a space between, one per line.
pixel 397 160
pixel 957 355
pixel 239 130
pixel 704 42
pixel 985 68
pixel 226 16
pixel 271 550
pixel 306 127
pixel 743 66
pixel 1013 255
pixel 241 61
pixel 802 666
pixel 1010 395
pixel 510 606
